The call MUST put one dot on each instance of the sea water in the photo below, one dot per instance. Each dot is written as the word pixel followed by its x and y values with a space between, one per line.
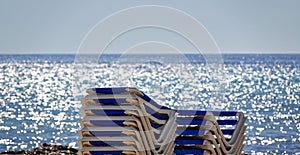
pixel 39 103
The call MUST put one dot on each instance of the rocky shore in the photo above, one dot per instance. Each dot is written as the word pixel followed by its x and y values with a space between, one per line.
pixel 45 149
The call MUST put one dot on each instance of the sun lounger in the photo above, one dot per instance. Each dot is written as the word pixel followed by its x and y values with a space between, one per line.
pixel 235 133
pixel 126 110
pixel 196 132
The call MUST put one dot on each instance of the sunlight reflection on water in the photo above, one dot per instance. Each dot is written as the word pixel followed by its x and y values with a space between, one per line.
pixel 37 103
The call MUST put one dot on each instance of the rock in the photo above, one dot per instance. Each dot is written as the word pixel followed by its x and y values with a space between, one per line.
pixel 47 149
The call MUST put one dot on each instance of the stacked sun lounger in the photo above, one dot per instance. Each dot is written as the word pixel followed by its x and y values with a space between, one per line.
pixel 127 121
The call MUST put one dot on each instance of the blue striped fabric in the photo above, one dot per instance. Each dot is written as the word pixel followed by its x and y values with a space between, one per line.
pixel 107 123
pixel 110 90
pixel 109 112
pixel 106 133
pixel 106 152
pixel 187 141
pixel 101 143
pixel 110 101
pixel 188 151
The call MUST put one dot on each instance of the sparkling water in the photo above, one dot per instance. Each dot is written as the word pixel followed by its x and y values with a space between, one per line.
pixel 37 102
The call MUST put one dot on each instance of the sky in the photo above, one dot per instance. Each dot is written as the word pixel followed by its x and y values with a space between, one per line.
pixel 59 26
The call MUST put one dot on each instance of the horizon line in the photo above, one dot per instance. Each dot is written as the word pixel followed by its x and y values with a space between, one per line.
pixel 149 54
pixel 156 53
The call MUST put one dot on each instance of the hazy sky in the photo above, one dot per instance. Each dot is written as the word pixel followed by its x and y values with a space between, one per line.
pixel 58 26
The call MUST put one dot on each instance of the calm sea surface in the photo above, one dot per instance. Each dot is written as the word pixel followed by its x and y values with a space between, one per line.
pixel 39 103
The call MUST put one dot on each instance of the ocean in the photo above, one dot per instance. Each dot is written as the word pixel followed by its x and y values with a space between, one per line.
pixel 39 103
